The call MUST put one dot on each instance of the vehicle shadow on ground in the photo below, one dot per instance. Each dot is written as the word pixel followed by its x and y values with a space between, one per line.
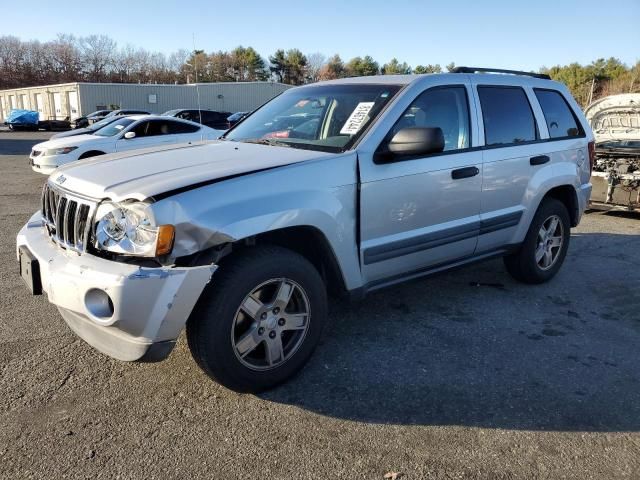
pixel 631 214
pixel 20 146
pixel 474 348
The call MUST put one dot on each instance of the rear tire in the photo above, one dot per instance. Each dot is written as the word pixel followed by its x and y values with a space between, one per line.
pixel 545 245
pixel 249 330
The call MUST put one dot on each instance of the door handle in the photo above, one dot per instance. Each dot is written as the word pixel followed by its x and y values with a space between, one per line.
pixel 539 160
pixel 465 172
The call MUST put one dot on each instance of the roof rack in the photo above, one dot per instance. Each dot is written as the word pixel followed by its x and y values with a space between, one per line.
pixel 499 70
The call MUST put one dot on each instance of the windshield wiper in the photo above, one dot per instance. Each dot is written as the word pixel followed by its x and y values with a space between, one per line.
pixel 266 141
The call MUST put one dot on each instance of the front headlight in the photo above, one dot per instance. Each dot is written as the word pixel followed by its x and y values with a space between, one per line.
pixel 128 228
pixel 59 151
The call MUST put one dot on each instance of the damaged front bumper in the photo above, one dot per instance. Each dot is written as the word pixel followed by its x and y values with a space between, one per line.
pixel 125 311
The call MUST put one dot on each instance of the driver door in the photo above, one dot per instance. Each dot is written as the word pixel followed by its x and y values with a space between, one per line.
pixel 420 212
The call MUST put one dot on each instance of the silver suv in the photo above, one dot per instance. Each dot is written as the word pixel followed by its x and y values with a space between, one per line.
pixel 344 187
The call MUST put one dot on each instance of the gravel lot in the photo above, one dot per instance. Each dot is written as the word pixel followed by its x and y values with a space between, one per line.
pixel 464 375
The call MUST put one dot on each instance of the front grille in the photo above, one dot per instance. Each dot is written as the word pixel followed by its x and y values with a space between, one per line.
pixel 67 217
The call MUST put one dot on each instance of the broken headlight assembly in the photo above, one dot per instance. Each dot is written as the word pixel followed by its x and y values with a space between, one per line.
pixel 128 228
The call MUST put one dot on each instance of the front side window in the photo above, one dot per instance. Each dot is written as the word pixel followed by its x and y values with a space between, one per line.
pixel 560 119
pixel 507 115
pixel 141 129
pixel 317 117
pixel 152 128
pixel 445 108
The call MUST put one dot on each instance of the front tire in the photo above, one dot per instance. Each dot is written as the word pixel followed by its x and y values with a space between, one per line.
pixel 258 321
pixel 545 246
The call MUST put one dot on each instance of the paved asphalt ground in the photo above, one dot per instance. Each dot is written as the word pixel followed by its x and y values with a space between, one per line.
pixel 465 375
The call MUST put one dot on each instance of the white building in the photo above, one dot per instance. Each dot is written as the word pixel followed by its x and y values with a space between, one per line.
pixel 76 99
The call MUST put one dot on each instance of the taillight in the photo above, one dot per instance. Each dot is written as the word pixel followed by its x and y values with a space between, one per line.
pixel 592 155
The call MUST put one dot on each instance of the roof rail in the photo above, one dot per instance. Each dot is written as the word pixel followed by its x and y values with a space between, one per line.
pixel 499 70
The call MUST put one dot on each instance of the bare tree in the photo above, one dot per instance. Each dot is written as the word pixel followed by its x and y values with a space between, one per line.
pixel 124 64
pixel 12 59
pixel 97 55
pixel 66 58
pixel 315 62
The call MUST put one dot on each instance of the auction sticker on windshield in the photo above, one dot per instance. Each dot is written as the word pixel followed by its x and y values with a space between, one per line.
pixel 357 118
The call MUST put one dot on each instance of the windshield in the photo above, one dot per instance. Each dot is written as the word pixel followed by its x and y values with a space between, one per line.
pixel 323 117
pixel 114 128
pixel 98 125
pixel 171 113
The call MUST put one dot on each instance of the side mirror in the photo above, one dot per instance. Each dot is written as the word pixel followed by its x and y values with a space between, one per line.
pixel 130 135
pixel 417 141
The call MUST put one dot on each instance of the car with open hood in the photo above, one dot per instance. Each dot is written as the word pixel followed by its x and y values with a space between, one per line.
pixel 336 188
pixel 615 121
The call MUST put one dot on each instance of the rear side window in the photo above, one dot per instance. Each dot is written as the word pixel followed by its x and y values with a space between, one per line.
pixel 158 127
pixel 507 116
pixel 560 119
pixel 179 127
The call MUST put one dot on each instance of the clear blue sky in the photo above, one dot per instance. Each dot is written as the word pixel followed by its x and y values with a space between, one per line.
pixel 507 34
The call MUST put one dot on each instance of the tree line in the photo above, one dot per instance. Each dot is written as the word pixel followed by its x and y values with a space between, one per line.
pixel 98 58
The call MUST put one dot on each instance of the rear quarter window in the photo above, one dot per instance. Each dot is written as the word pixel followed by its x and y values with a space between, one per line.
pixel 560 119
pixel 179 127
pixel 507 115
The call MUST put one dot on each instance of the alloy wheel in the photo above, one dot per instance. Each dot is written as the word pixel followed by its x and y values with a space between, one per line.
pixel 549 244
pixel 270 324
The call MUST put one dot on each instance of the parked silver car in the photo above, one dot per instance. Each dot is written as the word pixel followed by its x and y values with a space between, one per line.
pixel 340 187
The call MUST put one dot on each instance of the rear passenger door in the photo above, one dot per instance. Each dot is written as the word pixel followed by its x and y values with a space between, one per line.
pixel 511 148
pixel 531 135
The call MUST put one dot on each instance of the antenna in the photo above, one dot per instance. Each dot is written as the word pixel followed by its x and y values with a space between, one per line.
pixel 195 67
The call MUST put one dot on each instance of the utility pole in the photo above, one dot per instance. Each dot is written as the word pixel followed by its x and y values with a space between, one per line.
pixel 593 84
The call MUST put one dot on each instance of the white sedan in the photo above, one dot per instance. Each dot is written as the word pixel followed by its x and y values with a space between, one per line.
pixel 128 133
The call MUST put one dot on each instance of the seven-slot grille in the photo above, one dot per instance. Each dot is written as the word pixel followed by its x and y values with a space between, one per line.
pixel 67 218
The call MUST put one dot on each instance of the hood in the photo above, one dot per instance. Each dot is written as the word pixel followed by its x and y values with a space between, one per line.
pixel 70 141
pixel 145 173
pixel 616 117
pixel 71 133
